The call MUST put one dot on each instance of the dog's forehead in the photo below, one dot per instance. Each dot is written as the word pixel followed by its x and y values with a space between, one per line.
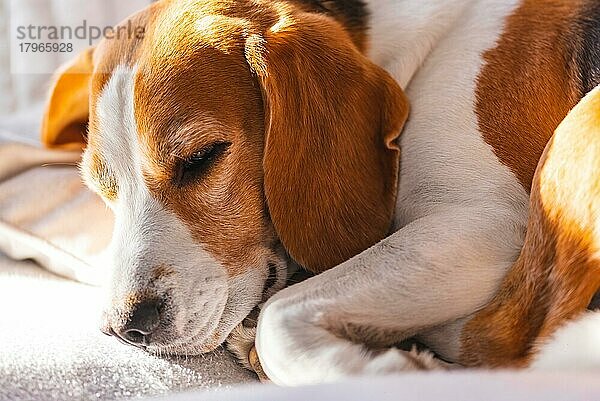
pixel 186 82
pixel 202 83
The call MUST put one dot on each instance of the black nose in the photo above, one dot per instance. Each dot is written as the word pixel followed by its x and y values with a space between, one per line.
pixel 143 320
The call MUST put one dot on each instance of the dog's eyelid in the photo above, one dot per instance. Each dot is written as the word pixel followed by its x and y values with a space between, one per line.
pixel 197 164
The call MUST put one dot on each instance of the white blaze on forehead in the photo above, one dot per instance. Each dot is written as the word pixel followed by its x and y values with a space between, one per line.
pixel 146 235
pixel 118 138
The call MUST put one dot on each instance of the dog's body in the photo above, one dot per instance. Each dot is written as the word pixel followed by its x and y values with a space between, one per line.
pixel 488 83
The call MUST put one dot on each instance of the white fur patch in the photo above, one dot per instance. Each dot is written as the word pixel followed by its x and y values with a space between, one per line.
pixel 575 346
pixel 448 170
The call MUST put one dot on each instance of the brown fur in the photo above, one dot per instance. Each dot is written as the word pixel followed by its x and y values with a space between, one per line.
pixel 66 115
pixel 528 84
pixel 225 210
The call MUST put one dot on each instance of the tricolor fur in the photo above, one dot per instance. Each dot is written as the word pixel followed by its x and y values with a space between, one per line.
pixel 480 241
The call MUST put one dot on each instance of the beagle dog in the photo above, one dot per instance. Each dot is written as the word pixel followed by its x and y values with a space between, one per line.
pixel 239 138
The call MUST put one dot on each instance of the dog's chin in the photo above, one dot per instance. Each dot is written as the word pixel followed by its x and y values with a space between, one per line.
pixel 191 346
pixel 205 340
pixel 181 350
pixel 196 345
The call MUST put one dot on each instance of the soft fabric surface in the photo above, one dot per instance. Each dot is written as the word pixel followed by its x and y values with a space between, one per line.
pixel 46 214
pixel 464 386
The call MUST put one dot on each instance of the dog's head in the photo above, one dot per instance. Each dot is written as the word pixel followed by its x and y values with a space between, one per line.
pixel 227 138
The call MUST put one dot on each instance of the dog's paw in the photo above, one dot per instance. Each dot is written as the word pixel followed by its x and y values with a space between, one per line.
pixel 395 360
pixel 256 366
pixel 241 344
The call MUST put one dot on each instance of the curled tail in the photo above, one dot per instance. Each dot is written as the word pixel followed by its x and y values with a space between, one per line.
pixel 558 271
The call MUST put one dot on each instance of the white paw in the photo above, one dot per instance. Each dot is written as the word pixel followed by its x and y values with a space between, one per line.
pixel 297 349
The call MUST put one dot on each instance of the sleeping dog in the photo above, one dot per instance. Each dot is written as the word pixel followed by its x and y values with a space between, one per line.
pixel 239 138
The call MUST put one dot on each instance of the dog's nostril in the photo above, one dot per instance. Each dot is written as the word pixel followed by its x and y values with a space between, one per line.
pixel 142 321
pixel 135 336
pixel 144 318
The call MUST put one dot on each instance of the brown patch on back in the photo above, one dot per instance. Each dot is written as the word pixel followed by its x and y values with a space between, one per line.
pixel 528 84
pixel 558 271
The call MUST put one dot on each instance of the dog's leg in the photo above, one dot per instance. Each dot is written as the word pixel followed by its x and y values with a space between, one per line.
pixel 436 269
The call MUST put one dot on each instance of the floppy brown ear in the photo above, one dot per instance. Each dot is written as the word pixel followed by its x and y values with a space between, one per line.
pixel 331 160
pixel 67 111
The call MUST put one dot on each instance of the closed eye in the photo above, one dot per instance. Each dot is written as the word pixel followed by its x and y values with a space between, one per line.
pixel 197 165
